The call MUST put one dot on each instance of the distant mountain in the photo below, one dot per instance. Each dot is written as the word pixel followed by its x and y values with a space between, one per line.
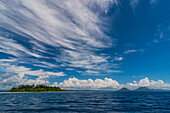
pixel 144 89
pixel 124 90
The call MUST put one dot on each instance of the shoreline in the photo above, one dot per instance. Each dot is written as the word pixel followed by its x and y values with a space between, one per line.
pixel 37 92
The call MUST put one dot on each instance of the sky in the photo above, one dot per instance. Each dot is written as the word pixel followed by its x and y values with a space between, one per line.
pixel 90 44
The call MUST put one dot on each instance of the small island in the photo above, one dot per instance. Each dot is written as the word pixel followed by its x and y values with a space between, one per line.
pixel 36 88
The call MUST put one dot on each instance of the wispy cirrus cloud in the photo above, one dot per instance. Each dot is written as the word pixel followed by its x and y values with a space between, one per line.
pixel 69 32
pixel 133 51
pixel 118 58
pixel 130 51
pixel 49 38
pixel 11 46
pixel 7 67
pixel 134 3
pixel 162 32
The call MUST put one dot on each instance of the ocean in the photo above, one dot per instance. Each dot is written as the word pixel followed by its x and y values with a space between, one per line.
pixel 86 101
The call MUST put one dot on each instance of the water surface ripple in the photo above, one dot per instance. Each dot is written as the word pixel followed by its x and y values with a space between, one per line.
pixel 85 101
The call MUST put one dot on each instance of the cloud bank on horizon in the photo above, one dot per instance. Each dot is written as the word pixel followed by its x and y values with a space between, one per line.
pixel 108 83
pixel 48 39
pixel 89 84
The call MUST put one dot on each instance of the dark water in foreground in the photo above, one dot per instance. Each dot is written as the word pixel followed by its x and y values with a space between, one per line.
pixel 89 101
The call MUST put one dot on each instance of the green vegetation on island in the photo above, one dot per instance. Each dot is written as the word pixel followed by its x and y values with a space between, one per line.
pixel 35 88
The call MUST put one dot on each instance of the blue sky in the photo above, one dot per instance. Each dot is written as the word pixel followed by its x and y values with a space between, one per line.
pixel 85 44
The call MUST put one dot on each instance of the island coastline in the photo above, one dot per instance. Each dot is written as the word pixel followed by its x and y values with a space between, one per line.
pixel 35 89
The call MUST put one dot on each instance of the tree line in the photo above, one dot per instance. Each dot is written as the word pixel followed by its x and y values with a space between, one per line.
pixel 35 88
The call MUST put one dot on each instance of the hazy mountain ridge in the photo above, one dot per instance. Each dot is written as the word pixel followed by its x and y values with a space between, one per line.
pixel 142 89
pixel 124 90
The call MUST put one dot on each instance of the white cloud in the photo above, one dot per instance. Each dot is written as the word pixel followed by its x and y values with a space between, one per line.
pixel 118 58
pixel 141 50
pixel 162 32
pixel 8 60
pixel 153 1
pixel 161 35
pixel 91 72
pixel 130 51
pixel 45 64
pixel 87 60
pixel 108 83
pixel 6 75
pixel 74 83
pixel 77 84
pixel 155 41
pixel 52 19
pixel 69 69
pixel 11 46
pixel 19 79
pixel 148 83
pixel 6 67
pixel 72 28
pixel 134 3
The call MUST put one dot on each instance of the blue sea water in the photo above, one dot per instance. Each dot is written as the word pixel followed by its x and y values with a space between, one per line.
pixel 86 101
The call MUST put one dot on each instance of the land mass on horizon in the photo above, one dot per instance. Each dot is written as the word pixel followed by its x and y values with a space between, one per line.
pixel 44 88
pixel 140 89
pixel 37 88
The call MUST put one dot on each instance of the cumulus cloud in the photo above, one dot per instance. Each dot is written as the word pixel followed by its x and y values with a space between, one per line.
pixel 57 34
pixel 108 83
pixel 13 75
pixel 21 79
pixel 149 83
pixel 52 34
pixel 74 83
pixel 77 84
